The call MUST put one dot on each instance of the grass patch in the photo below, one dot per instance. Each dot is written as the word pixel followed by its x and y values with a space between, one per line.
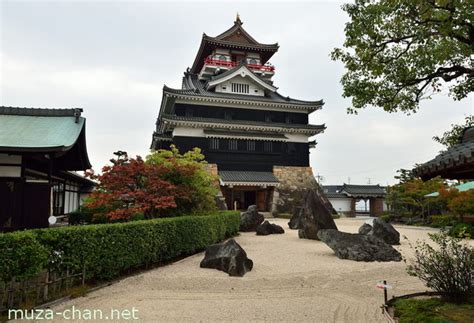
pixel 432 310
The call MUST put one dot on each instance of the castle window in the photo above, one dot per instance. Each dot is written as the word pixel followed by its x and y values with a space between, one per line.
pixel 251 145
pixel 214 143
pixel 232 144
pixel 222 58
pixel 188 112
pixel 240 88
pixel 253 61
pixel 268 146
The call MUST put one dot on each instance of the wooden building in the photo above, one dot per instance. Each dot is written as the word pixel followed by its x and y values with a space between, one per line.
pixel 344 199
pixel 456 162
pixel 39 149
pixel 229 107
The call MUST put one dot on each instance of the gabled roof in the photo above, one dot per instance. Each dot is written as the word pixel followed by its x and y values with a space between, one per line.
pixel 233 38
pixel 195 89
pixel 242 125
pixel 240 70
pixel 363 190
pixel 237 33
pixel 455 163
pixel 247 178
pixel 356 191
pixel 57 131
pixel 333 191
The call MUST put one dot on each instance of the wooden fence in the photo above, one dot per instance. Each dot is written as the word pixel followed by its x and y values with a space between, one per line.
pixel 44 287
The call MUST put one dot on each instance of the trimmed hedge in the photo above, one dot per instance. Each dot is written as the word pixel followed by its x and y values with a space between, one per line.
pixel 107 250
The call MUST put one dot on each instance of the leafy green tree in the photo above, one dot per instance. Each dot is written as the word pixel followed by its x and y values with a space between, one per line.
pixel 201 185
pixel 408 198
pixel 398 52
pixel 451 137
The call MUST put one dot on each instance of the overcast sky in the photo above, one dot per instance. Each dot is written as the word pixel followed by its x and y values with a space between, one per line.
pixel 113 58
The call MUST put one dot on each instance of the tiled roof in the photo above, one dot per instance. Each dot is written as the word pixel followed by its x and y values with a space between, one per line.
pixel 333 191
pixel 245 134
pixel 455 163
pixel 363 190
pixel 192 86
pixel 60 132
pixel 47 129
pixel 315 128
pixel 247 177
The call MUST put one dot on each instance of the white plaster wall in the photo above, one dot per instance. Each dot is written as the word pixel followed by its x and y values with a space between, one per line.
pixel 254 89
pixel 188 132
pixel 10 170
pixel 341 204
pixel 296 137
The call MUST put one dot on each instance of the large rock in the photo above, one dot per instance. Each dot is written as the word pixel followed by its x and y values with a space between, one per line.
pixel 251 219
pixel 295 222
pixel 228 257
pixel 358 247
pixel 267 228
pixel 314 216
pixel 365 228
pixel 381 230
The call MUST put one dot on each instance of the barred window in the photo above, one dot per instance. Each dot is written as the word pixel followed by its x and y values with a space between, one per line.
pixel 240 88
pixel 232 144
pixel 214 143
pixel 268 146
pixel 251 145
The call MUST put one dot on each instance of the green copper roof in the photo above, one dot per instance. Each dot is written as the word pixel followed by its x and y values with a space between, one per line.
pixel 35 129
pixel 461 188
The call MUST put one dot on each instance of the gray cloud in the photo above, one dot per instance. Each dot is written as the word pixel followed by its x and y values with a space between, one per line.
pixel 112 59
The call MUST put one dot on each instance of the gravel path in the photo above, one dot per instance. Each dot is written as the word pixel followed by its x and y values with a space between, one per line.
pixel 293 280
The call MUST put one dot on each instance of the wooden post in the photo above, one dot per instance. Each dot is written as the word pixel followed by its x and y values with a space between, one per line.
pixel 11 294
pixel 84 275
pixel 46 286
pixel 385 297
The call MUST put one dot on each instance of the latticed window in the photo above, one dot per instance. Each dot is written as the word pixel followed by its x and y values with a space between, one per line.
pixel 240 88
pixel 251 145
pixel 214 143
pixel 268 146
pixel 232 144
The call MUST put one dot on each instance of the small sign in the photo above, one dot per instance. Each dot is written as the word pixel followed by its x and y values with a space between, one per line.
pixel 52 219
pixel 381 285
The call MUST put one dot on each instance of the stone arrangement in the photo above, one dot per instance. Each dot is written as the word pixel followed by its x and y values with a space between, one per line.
pixel 358 247
pixel 267 228
pixel 228 257
pixel 313 216
pixel 295 223
pixel 382 230
pixel 250 219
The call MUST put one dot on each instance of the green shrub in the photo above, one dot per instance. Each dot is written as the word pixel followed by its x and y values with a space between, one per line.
pixel 443 220
pixel 386 217
pixel 107 250
pixel 446 268
pixel 462 230
pixel 21 256
pixel 336 216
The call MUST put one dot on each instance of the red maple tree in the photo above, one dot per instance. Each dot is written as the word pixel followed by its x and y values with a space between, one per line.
pixel 130 186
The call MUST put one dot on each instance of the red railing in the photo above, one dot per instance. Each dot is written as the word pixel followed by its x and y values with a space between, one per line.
pixel 218 62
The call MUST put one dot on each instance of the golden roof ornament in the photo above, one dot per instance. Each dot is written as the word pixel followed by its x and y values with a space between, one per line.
pixel 237 19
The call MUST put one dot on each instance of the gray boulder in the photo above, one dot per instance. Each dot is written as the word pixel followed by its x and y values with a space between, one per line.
pixel 267 228
pixel 314 216
pixel 358 247
pixel 250 219
pixel 228 257
pixel 381 230
pixel 295 222
pixel 365 228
